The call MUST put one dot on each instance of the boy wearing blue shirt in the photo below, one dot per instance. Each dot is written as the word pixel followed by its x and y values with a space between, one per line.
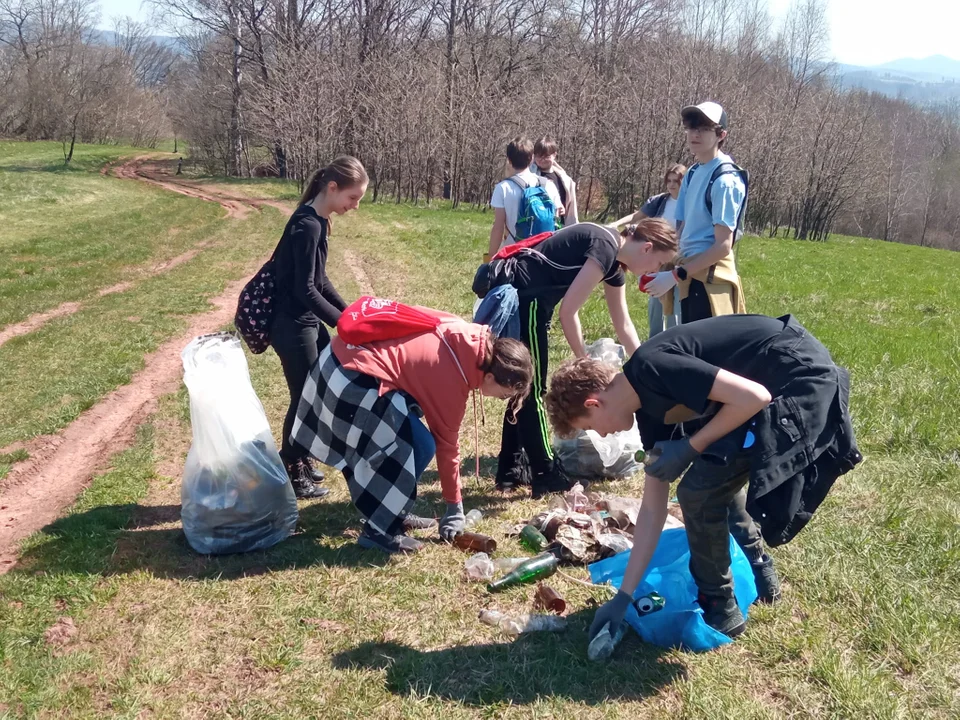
pixel 706 273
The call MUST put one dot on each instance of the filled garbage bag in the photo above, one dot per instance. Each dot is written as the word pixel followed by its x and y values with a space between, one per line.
pixel 589 456
pixel 235 495
pixel 679 624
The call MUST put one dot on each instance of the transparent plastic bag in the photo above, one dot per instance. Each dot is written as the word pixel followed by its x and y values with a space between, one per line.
pixel 235 495
pixel 597 457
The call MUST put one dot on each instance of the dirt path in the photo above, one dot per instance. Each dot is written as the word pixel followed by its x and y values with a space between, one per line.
pixel 38 320
pixel 36 491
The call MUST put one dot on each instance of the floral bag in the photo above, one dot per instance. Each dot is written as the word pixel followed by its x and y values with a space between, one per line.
pixel 255 309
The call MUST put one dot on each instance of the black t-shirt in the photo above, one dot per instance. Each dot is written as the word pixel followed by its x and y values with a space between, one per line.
pixel 674 372
pixel 546 271
pixel 553 176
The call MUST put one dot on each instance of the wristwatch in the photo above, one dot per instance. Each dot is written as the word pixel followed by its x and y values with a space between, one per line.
pixel 680 272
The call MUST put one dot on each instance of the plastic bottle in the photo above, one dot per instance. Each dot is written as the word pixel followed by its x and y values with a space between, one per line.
pixel 473 517
pixel 516 624
pixel 603 643
pixel 506 565
pixel 475 542
pixel 542 566
pixel 533 539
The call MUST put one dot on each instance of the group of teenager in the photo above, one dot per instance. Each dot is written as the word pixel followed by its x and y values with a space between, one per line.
pixel 749 412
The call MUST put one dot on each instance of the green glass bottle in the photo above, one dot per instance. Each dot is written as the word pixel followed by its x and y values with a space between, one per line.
pixel 533 539
pixel 647 458
pixel 537 568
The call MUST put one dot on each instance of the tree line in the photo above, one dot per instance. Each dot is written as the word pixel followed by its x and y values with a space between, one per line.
pixel 428 92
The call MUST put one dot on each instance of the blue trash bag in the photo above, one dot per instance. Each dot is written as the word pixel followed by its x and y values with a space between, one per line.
pixel 680 623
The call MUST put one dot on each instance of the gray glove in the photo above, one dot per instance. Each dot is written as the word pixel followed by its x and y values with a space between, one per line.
pixel 674 457
pixel 453 521
pixel 611 612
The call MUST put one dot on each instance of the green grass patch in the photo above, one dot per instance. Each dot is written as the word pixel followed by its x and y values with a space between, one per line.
pixel 317 627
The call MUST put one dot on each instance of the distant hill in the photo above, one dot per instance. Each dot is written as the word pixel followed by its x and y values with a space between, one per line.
pixel 925 81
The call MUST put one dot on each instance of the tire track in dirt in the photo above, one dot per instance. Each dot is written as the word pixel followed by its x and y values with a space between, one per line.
pixel 37 490
pixel 38 320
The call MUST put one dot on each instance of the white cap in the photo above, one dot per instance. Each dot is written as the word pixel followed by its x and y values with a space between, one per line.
pixel 710 110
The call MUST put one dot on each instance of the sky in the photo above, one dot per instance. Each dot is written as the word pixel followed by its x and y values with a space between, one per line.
pixel 863 32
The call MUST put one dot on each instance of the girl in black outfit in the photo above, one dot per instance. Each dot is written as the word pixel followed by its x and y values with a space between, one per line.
pixel 305 297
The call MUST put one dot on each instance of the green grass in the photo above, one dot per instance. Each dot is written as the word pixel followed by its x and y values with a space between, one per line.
pixel 316 627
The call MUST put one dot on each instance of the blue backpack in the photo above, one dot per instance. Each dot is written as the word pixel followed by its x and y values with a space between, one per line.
pixel 536 213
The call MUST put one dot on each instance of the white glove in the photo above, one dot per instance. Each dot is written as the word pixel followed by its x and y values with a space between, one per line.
pixel 662 283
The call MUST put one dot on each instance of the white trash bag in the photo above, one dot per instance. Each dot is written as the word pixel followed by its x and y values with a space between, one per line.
pixel 591 456
pixel 235 495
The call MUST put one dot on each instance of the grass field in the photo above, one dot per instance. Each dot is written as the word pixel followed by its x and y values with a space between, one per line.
pixel 316 627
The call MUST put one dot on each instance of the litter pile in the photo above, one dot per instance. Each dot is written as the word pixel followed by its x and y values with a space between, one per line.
pixel 583 527
pixel 577 528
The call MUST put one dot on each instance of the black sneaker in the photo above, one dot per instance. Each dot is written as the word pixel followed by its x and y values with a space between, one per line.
pixel 303 485
pixel 512 475
pixel 722 614
pixel 415 522
pixel 316 475
pixel 555 481
pixel 768 582
pixel 373 540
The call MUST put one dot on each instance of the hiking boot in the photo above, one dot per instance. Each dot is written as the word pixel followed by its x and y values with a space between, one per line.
pixel 415 522
pixel 303 485
pixel 768 583
pixel 514 474
pixel 555 481
pixel 373 540
pixel 316 475
pixel 722 614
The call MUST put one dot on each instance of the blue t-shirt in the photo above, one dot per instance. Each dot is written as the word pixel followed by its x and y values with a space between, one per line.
pixel 728 194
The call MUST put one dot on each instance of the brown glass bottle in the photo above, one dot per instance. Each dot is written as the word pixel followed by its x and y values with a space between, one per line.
pixel 475 542
pixel 549 599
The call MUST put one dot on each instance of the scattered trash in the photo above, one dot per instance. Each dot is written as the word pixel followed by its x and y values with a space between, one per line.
pixel 476 542
pixel 649 603
pixel 603 644
pixel 533 539
pixel 574 547
pixel 615 542
pixel 547 598
pixel 537 568
pixel 473 517
pixel 479 567
pixel 505 565
pixel 526 623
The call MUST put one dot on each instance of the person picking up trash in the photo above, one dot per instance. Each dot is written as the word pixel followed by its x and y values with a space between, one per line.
pixel 564 268
pixel 389 366
pixel 765 433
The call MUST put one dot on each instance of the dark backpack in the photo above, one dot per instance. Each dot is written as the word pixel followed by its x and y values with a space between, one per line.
pixel 499 271
pixel 724 169
pixel 536 213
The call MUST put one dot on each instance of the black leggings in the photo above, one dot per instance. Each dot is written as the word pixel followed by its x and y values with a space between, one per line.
pixel 298 347
pixel 531 431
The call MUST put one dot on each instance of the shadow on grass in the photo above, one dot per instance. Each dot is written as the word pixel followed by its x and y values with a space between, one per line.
pixel 523 671
pixel 120 539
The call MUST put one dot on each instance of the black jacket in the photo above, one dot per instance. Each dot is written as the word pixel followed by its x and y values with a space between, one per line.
pixel 304 292
pixel 804 438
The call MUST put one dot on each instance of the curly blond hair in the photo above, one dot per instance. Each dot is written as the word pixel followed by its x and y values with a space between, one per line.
pixel 571 385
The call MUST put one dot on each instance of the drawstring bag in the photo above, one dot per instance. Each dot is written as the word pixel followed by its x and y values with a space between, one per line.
pixel 372 319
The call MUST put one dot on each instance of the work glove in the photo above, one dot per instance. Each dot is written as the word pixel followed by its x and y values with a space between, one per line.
pixel 672 457
pixel 611 612
pixel 661 284
pixel 453 521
